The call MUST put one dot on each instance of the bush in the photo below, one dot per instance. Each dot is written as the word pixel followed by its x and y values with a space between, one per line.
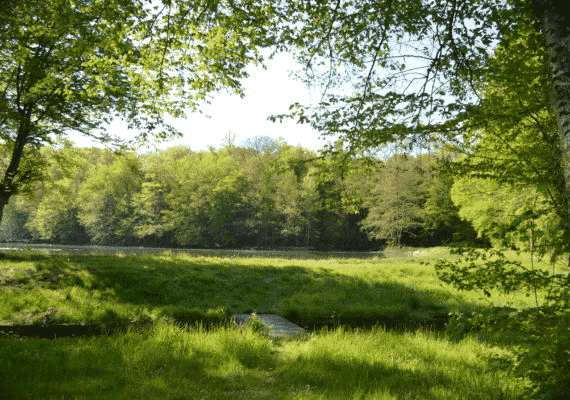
pixel 256 325
pixel 542 347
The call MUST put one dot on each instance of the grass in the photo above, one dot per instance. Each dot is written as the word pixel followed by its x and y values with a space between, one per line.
pixel 169 362
pixel 191 350
pixel 80 289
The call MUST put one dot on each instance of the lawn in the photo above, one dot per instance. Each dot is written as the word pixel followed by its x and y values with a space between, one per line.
pixel 43 289
pixel 169 362
pixel 193 351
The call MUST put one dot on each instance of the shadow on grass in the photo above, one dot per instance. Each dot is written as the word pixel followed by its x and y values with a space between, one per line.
pixel 235 365
pixel 210 290
pixel 97 368
pixel 339 378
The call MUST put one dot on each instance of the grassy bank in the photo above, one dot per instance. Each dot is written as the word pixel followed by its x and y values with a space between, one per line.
pixel 168 362
pixel 177 358
pixel 42 289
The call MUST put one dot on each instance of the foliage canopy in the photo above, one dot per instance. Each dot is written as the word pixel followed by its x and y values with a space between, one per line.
pixel 77 65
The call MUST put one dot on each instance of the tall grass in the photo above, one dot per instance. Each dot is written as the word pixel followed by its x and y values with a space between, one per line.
pixel 169 362
pixel 179 358
pixel 81 289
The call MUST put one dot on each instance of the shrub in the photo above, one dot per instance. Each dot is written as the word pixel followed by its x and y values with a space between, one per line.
pixel 542 351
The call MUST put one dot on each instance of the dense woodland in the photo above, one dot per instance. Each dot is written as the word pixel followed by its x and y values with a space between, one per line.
pixel 269 196
pixel 236 197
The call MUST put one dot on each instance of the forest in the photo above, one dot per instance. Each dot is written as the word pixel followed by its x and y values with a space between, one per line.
pixel 274 196
pixel 239 196
pixel 490 100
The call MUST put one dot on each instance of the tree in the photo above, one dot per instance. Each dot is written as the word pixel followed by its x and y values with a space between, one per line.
pixel 14 227
pixel 204 198
pixel 395 200
pixel 106 201
pixel 261 144
pixel 54 214
pixel 507 216
pixel 292 193
pixel 255 220
pixel 512 188
pixel 152 202
pixel 229 139
pixel 413 71
pixel 409 62
pixel 336 181
pixel 441 220
pixel 513 140
pixel 77 65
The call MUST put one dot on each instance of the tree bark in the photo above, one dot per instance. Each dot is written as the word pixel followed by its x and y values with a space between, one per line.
pixel 7 185
pixel 556 27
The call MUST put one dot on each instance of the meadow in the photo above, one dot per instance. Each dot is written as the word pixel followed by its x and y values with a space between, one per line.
pixel 376 329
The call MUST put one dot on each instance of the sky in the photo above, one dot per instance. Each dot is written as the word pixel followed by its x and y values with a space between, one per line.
pixel 267 92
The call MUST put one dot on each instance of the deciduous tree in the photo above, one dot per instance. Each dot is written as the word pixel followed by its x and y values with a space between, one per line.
pixel 395 200
pixel 77 65
pixel 106 201
pixel 261 143
pixel 414 71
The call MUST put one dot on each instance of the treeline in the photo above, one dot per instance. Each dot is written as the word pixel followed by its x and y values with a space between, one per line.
pixel 278 195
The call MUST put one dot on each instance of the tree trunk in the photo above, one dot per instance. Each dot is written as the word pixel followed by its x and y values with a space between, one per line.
pixel 7 185
pixel 3 202
pixel 7 188
pixel 557 35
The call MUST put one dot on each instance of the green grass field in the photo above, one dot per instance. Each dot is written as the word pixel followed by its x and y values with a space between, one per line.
pixel 178 358
pixel 228 363
pixel 191 289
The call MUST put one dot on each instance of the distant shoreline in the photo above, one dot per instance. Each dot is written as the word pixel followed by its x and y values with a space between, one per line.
pixel 288 252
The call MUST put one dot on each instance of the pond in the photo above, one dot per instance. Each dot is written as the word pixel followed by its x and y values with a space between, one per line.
pixel 291 252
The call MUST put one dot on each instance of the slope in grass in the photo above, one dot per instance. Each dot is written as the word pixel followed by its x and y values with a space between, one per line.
pixel 57 289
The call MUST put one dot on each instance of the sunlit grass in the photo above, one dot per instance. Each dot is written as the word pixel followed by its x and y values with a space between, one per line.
pixel 83 289
pixel 389 365
pixel 168 362
pixel 220 361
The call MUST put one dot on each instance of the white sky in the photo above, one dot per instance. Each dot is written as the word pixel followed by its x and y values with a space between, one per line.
pixel 267 92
